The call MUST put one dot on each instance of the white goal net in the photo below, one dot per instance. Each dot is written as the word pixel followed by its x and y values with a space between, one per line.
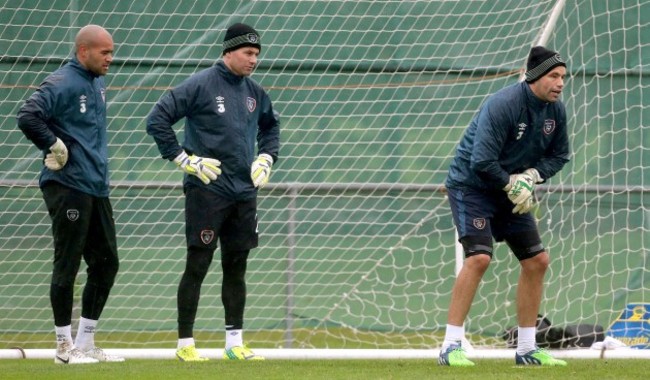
pixel 357 242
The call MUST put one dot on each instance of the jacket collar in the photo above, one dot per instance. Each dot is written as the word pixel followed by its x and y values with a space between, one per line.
pixel 227 74
pixel 76 65
pixel 531 99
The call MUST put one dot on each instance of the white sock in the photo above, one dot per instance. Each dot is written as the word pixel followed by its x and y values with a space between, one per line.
pixel 453 335
pixel 526 339
pixel 85 339
pixel 184 342
pixel 63 334
pixel 234 338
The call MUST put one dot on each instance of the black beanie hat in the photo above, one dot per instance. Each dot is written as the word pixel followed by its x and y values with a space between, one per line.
pixel 541 61
pixel 240 35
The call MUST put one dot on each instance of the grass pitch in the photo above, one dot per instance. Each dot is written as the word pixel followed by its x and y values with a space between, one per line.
pixel 320 369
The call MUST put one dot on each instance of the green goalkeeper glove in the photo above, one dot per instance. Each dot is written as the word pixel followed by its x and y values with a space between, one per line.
pixel 58 156
pixel 261 170
pixel 205 169
pixel 520 188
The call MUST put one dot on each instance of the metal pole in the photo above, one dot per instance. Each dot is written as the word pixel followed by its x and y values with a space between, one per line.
pixel 545 35
pixel 291 259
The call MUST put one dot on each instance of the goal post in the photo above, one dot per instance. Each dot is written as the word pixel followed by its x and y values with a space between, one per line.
pixel 357 246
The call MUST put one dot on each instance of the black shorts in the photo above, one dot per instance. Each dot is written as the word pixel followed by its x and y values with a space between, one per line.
pixel 481 216
pixel 82 226
pixel 209 217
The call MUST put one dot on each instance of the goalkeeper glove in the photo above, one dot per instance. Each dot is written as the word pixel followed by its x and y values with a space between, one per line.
pixel 525 206
pixel 534 174
pixel 261 170
pixel 58 156
pixel 205 169
pixel 519 188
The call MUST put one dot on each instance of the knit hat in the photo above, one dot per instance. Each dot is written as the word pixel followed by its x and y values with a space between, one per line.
pixel 541 61
pixel 240 35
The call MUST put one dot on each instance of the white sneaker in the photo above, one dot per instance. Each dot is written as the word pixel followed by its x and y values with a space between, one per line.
pixel 102 356
pixel 66 353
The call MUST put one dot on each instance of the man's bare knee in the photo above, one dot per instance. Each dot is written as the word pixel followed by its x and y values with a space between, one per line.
pixel 478 262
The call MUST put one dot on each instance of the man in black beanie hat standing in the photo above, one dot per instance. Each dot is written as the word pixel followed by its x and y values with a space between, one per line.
pixel 517 140
pixel 227 115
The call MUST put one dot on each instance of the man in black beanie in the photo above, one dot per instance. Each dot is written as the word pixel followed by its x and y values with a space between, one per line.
pixel 226 115
pixel 540 62
pixel 517 140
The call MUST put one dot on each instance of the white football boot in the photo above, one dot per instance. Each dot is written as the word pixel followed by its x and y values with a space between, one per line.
pixel 102 356
pixel 66 353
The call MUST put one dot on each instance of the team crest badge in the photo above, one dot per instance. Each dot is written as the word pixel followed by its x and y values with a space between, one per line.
pixel 251 104
pixel 479 223
pixel 207 236
pixel 72 215
pixel 103 93
pixel 549 126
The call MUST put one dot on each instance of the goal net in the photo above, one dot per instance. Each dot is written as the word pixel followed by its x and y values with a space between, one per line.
pixel 357 242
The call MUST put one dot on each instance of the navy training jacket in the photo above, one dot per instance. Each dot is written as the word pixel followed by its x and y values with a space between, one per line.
pixel 512 131
pixel 226 115
pixel 71 105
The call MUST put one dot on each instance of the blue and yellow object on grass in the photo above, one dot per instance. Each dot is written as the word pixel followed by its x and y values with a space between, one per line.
pixel 632 327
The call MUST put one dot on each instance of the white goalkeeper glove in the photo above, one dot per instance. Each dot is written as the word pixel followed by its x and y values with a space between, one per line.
pixel 519 188
pixel 525 206
pixel 58 156
pixel 530 202
pixel 261 170
pixel 205 169
pixel 534 174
